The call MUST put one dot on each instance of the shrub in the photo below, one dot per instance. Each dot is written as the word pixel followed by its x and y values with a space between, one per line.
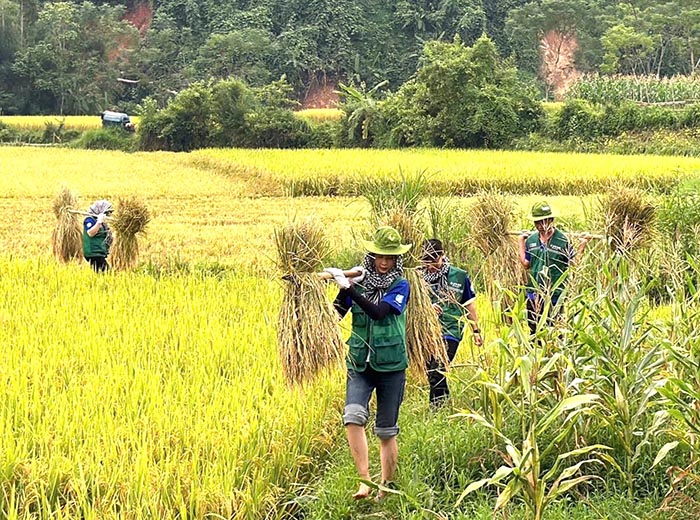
pixel 325 134
pixel 275 128
pixel 577 119
pixel 231 100
pixel 106 139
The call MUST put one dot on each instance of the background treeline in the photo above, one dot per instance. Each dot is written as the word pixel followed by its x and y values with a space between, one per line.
pixel 459 97
pixel 66 57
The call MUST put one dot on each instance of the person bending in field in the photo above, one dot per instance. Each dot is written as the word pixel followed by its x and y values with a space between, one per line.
pixel 377 358
pixel 546 254
pixel 452 294
pixel 97 237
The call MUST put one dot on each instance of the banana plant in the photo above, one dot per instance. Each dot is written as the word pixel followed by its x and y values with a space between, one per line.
pixel 363 105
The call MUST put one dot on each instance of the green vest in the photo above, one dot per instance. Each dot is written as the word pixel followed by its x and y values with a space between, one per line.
pixel 95 246
pixel 382 341
pixel 451 318
pixel 548 264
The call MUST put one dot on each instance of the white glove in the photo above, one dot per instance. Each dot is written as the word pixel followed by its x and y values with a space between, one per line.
pixel 101 218
pixel 359 277
pixel 338 277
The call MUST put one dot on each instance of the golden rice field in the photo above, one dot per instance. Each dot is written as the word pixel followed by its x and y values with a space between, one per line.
pixel 81 123
pixel 92 122
pixel 320 114
pixel 132 396
pixel 204 211
pixel 345 172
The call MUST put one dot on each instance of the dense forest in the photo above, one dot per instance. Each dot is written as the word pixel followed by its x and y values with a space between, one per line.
pixel 80 58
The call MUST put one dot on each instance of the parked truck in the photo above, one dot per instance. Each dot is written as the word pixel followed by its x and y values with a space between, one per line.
pixel 112 119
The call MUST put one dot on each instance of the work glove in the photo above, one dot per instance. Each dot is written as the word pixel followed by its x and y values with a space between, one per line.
pixel 359 277
pixel 101 218
pixel 338 277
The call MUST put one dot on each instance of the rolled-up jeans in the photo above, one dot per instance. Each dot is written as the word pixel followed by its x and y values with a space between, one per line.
pixel 389 387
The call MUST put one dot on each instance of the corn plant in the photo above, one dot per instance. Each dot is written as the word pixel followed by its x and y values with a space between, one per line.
pixel 682 386
pixel 618 353
pixel 647 89
pixel 539 394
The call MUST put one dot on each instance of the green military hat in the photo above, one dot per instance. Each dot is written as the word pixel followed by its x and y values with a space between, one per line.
pixel 386 241
pixel 541 211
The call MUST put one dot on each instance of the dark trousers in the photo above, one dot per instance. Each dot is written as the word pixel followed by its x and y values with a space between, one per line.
pixel 439 391
pixel 535 308
pixel 98 263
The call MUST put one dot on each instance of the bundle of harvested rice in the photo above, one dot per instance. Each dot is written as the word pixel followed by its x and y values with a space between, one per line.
pixel 308 335
pixel 492 216
pixel 130 219
pixel 67 237
pixel 628 219
pixel 423 331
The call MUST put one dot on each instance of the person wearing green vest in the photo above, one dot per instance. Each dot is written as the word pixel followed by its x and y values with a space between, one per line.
pixel 546 254
pixel 377 358
pixel 97 237
pixel 452 294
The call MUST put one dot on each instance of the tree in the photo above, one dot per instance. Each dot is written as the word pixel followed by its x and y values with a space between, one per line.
pixel 245 54
pixel 462 97
pixel 74 56
pixel 626 51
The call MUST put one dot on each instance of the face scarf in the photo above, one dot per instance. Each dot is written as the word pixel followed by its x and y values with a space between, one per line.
pixel 376 284
pixel 437 280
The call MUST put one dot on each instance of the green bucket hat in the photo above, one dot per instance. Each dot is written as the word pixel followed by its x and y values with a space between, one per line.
pixel 386 241
pixel 540 211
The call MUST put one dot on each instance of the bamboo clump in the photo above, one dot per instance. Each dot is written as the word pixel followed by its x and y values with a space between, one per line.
pixel 129 221
pixel 67 237
pixel 308 336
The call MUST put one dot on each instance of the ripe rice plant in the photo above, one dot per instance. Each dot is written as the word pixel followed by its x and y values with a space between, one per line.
pixel 320 114
pixel 459 172
pixel 308 336
pixel 129 221
pixel 128 396
pixel 67 237
pixel 81 123
pixel 492 216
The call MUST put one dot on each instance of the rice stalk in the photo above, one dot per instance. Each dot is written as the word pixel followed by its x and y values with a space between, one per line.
pixel 308 335
pixel 492 216
pixel 388 194
pixel 629 219
pixel 67 237
pixel 130 219
pixel 423 330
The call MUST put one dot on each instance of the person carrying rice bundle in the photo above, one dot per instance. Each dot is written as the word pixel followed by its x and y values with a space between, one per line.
pixel 547 254
pixel 97 236
pixel 377 358
pixel 452 294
